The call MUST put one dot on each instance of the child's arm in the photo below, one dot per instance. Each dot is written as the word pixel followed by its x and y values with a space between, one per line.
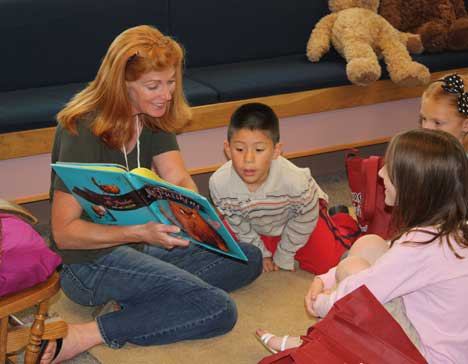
pixel 405 268
pixel 320 284
pixel 298 229
pixel 241 227
pixel 316 287
pixel 245 233
pixel 328 279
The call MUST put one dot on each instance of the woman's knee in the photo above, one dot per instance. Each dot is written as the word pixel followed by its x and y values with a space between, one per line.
pixel 229 317
pixel 255 258
pixel 222 316
pixel 74 287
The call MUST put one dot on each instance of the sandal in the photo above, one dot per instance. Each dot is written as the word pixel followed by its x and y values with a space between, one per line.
pixel 265 339
pixel 43 348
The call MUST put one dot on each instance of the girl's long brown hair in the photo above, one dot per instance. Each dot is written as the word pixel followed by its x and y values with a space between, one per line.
pixel 429 170
pixel 133 53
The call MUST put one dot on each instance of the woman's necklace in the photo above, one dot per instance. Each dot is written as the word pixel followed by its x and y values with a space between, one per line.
pixel 137 145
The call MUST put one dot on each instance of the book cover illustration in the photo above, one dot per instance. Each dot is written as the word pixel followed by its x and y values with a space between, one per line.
pixel 111 195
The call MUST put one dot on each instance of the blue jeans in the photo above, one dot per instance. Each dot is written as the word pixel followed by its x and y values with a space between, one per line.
pixel 165 295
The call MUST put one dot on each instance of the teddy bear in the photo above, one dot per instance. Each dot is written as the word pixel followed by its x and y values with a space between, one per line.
pixel 442 24
pixel 361 36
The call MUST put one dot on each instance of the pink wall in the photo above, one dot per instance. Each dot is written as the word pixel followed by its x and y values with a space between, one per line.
pixel 24 177
pixel 314 131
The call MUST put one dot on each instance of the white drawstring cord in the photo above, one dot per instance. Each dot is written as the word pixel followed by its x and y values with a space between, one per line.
pixel 137 145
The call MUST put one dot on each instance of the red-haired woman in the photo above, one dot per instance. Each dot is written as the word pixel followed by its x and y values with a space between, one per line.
pixel 166 289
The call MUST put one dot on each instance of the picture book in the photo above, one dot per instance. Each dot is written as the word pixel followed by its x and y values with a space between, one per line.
pixel 112 195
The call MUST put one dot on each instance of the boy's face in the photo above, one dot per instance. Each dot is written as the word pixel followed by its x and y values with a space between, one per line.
pixel 251 152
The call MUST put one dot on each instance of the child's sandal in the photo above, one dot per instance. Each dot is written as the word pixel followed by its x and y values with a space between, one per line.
pixel 265 339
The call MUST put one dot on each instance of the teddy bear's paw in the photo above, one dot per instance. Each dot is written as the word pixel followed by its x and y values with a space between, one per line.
pixel 458 35
pixel 363 71
pixel 414 74
pixel 414 44
pixel 315 53
pixel 433 36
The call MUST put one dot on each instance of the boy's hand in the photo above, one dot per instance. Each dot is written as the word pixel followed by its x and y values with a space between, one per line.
pixel 269 265
pixel 316 287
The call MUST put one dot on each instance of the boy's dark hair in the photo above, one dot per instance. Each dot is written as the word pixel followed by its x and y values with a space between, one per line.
pixel 255 116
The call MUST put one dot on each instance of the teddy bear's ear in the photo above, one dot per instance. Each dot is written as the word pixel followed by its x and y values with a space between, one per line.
pixel 370 4
pixel 337 5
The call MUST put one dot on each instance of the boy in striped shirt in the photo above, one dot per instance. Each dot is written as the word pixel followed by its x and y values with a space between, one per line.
pixel 266 199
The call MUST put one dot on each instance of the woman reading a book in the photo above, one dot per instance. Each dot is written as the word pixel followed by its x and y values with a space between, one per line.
pixel 165 289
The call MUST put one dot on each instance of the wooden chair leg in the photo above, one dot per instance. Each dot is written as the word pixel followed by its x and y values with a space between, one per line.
pixel 37 330
pixel 12 359
pixel 3 338
pixel 18 337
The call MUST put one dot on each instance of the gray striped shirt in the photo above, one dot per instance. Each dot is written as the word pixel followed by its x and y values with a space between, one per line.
pixel 285 205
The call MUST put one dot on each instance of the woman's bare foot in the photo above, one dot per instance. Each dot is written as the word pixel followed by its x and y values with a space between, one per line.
pixel 79 339
pixel 275 343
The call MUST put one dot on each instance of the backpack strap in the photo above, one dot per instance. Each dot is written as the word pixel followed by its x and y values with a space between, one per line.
pixel 345 240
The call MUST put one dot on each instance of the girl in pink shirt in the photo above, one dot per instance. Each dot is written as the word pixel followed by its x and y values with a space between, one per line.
pixel 426 180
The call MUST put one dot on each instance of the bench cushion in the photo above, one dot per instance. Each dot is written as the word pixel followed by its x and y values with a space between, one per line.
pixel 295 73
pixel 271 76
pixel 443 61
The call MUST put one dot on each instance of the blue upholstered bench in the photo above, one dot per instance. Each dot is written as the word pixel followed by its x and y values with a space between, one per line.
pixel 235 50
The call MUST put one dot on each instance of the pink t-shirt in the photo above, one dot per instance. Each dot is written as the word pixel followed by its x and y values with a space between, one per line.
pixel 434 285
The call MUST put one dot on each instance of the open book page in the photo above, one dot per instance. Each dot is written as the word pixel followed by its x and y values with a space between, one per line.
pixel 111 195
pixel 105 193
pixel 190 211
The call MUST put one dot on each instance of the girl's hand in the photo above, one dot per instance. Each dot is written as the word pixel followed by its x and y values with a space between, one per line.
pixel 269 265
pixel 316 287
pixel 159 234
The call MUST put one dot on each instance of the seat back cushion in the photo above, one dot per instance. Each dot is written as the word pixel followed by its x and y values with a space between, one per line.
pixel 55 42
pixel 215 32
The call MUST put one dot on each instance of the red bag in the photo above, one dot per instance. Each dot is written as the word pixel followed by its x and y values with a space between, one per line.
pixel 368 194
pixel 358 329
pixel 332 236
